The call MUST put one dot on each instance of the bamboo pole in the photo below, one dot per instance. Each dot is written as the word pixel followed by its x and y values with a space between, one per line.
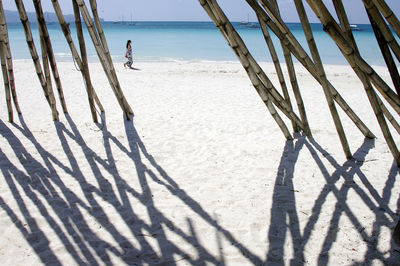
pixel 221 25
pixel 385 30
pixel 45 62
pixel 298 51
pixel 103 43
pixel 103 59
pixel 381 119
pixel 11 78
pixel 238 42
pixel 29 39
pixel 5 78
pixel 98 46
pixel 354 58
pixel 45 59
pixel 387 55
pixel 334 30
pixel 293 81
pixel 241 51
pixel 103 40
pixel 389 15
pixel 274 56
pixel 281 78
pixel 373 98
pixel 67 35
pixel 96 18
pixel 317 60
pixel 49 50
pixel 85 67
pixel 266 98
pixel 389 116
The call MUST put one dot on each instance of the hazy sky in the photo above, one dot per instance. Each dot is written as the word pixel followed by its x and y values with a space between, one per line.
pixel 191 10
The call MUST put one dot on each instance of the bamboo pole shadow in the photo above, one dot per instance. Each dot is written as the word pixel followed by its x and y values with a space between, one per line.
pixel 161 177
pixel 284 212
pixel 67 212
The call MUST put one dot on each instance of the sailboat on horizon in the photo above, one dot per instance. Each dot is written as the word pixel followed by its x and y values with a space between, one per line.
pixel 131 23
pixel 244 23
pixel 120 22
pixel 249 24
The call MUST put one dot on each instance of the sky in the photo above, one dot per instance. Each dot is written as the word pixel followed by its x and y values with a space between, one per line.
pixel 191 10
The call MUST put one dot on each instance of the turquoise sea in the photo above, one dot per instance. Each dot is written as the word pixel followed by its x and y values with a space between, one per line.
pixel 188 41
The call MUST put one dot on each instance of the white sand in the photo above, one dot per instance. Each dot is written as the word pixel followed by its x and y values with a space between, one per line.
pixel 201 176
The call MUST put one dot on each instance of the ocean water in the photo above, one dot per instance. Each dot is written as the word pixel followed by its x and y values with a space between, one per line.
pixel 188 41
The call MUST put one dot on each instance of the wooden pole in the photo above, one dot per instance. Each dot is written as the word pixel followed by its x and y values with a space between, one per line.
pixel 96 18
pixel 67 35
pixel 293 81
pixel 298 51
pixel 383 27
pixel 266 98
pixel 5 78
pixel 389 15
pixel 85 66
pixel 99 28
pixel 221 25
pixel 281 78
pixel 273 53
pixel 237 42
pixel 3 24
pixel 103 59
pixel 381 120
pixel 354 58
pixel 29 39
pixel 373 98
pixel 388 115
pixel 49 50
pixel 387 55
pixel 247 60
pixel 45 61
pixel 317 60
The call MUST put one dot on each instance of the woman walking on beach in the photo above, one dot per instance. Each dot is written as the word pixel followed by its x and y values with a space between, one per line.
pixel 128 55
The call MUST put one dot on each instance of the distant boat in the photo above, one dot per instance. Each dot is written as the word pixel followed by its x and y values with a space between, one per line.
pixel 253 25
pixel 245 23
pixel 249 24
pixel 131 23
pixel 354 27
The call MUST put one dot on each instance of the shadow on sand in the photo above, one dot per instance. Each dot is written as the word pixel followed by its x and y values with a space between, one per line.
pixel 66 212
pixel 285 216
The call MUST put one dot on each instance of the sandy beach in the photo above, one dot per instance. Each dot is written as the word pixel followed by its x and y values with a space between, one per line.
pixel 201 175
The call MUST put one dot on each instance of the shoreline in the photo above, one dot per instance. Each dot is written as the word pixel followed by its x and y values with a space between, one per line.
pixel 174 60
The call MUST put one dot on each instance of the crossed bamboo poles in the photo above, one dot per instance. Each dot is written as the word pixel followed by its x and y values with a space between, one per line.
pixel 267 12
pixel 48 60
pixel 268 15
